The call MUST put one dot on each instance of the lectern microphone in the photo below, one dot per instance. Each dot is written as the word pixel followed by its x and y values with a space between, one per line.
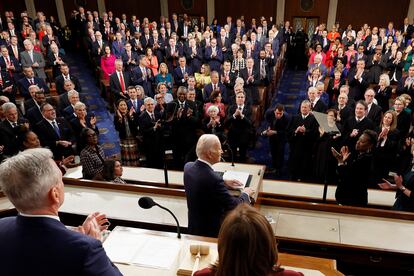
pixel 146 202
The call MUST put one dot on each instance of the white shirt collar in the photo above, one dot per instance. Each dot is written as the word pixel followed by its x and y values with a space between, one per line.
pixel 39 216
pixel 206 162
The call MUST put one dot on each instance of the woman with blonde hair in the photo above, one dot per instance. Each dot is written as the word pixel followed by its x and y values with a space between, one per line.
pixel 246 247
pixel 203 77
pixel 383 92
pixel 165 77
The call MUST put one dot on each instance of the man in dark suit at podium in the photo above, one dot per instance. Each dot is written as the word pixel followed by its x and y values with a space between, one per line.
pixel 208 198
pixel 36 237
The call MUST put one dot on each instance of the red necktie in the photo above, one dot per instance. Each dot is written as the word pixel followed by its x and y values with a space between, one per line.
pixel 121 81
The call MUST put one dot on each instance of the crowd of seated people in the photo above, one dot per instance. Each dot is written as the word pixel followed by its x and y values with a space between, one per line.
pixel 172 80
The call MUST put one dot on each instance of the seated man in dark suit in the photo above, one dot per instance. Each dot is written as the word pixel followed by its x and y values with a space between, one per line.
pixel 33 114
pixel 11 128
pixel 55 133
pixel 7 87
pixel 30 79
pixel 60 80
pixel 119 81
pixel 208 198
pixel 33 183
pixel 69 111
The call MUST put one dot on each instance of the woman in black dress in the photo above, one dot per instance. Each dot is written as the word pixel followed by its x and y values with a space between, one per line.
pixel 355 171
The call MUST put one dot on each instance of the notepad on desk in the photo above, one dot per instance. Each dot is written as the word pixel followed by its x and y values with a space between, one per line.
pixel 126 246
pixel 244 177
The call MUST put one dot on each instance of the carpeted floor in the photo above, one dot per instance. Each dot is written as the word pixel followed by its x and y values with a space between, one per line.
pixel 91 96
pixel 290 93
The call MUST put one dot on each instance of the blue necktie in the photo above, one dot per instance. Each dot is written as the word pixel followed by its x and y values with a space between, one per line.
pixel 56 128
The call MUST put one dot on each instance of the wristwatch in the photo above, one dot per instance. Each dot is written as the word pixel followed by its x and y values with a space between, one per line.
pixel 403 189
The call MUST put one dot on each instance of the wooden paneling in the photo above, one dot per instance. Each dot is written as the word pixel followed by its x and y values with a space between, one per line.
pixel 250 9
pixel 12 5
pixel 48 7
pixel 199 8
pixel 319 9
pixel 378 13
pixel 69 6
pixel 142 8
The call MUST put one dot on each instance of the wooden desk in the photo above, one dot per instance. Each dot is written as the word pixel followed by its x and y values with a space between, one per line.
pixel 376 241
pixel 307 265
pixel 176 178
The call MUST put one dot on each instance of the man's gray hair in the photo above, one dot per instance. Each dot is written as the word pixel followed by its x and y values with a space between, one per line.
pixel 26 178
pixel 205 144
pixel 149 99
pixel 73 92
pixel 7 106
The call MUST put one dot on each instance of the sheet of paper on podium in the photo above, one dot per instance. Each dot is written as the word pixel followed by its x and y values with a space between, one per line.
pixel 131 246
pixel 243 177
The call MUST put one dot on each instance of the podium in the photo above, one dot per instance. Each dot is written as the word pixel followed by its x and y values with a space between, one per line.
pixel 176 178
pixel 144 252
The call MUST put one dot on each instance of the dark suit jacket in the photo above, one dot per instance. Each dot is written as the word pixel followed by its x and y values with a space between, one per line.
pixel 24 84
pixel 196 60
pixel 208 89
pixel 320 106
pixel 357 88
pixel 208 199
pixel 48 137
pixel 250 87
pixel 115 84
pixel 214 62
pixel 9 137
pixel 239 129
pixel 34 115
pixel 13 60
pixel 375 114
pixel 32 240
pixel 60 81
pixel 352 124
pixel 125 59
pixel 178 75
pixel 138 79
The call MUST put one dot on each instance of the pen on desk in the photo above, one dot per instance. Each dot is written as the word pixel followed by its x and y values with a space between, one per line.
pixel 260 172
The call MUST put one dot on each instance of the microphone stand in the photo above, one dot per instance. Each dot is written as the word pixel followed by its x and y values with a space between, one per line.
pixel 231 152
pixel 176 220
